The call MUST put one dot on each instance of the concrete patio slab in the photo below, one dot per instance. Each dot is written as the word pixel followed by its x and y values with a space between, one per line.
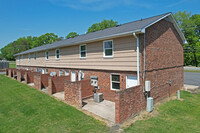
pixel 60 95
pixel 192 88
pixel 105 109
pixel 31 84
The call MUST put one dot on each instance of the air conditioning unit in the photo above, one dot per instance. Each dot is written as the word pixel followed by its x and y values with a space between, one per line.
pixel 147 86
pixel 98 97
pixel 149 104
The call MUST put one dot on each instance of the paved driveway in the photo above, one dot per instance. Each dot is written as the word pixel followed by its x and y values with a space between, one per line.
pixel 192 78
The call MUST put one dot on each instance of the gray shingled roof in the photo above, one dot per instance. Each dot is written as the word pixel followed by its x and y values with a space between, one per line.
pixel 126 28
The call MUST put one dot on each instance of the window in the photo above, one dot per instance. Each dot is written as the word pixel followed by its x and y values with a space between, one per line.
pixel 60 73
pixel 29 57
pixel 66 73
pixel 46 71
pixel 82 51
pixel 108 48
pixel 35 56
pixel 57 53
pixel 19 58
pixel 80 75
pixel 115 82
pixel 47 55
pixel 22 57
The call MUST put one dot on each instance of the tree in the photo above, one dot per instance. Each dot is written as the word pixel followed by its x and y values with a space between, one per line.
pixel 72 35
pixel 25 43
pixel 102 25
pixel 190 26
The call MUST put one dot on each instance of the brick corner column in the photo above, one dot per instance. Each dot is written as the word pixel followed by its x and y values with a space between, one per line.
pixel 26 77
pixel 37 81
pixel 18 75
pixel 50 86
pixel 9 72
pixel 117 108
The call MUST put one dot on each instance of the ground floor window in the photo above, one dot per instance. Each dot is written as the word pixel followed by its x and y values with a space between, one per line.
pixel 46 71
pixel 66 73
pixel 131 81
pixel 115 82
pixel 60 73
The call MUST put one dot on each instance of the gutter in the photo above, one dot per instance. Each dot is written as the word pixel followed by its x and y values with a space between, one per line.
pixel 138 58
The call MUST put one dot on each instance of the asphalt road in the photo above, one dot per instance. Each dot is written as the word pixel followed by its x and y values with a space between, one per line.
pixel 192 78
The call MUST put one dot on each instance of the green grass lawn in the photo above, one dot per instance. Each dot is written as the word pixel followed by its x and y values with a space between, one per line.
pixel 24 109
pixel 174 117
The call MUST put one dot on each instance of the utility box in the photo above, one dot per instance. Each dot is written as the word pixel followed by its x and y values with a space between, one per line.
pixel 149 104
pixel 94 81
pixel 98 97
pixel 147 86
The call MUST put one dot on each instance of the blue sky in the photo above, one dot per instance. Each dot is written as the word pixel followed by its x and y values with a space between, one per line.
pixel 20 18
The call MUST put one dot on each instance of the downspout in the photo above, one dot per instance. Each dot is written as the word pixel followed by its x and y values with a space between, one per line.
pixel 138 58
pixel 144 66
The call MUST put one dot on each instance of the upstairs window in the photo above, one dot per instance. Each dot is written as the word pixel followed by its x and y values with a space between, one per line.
pixel 108 48
pixel 57 53
pixel 47 55
pixel 115 82
pixel 19 58
pixel 35 56
pixel 29 57
pixel 82 51
pixel 22 57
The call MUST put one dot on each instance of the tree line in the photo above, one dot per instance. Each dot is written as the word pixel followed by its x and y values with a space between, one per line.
pixel 189 24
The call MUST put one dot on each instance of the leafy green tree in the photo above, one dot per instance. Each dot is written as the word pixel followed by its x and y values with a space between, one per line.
pixel 190 26
pixel 72 35
pixel 102 25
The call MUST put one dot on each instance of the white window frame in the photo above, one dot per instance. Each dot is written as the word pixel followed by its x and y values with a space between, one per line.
pixel 35 56
pixel 60 71
pixel 66 74
pixel 56 54
pixel 107 48
pixel 83 51
pixel 46 55
pixel 114 81
pixel 29 57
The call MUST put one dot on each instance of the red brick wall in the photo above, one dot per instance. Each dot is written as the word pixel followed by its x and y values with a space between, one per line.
pixel 73 93
pixel 103 79
pixel 37 81
pixel 86 89
pixel 30 77
pixel 58 83
pixel 164 59
pixel 129 102
pixel 44 78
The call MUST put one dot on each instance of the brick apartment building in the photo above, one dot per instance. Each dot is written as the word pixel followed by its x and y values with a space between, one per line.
pixel 122 58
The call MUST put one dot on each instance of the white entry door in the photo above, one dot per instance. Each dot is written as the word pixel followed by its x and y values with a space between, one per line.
pixel 73 76
pixel 42 71
pixel 131 81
